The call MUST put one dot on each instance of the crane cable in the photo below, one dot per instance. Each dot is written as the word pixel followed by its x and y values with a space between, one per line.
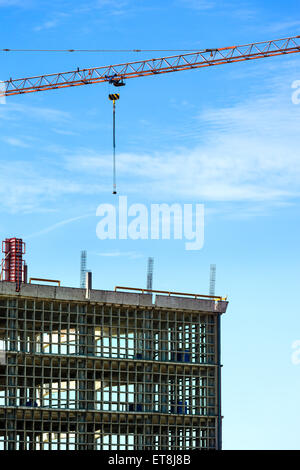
pixel 114 97
pixel 99 50
pixel 114 149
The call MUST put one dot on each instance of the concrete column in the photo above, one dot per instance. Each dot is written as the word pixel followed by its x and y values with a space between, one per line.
pixel 164 346
pixel 11 375
pixel 149 355
pixel 149 444
pixel 164 439
pixel 81 435
pixel 86 385
pixel 139 441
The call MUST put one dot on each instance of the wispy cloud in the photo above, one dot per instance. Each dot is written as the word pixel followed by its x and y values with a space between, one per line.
pixel 198 4
pixel 55 20
pixel 17 111
pixel 232 8
pixel 58 225
pixel 115 254
pixel 46 25
pixel 110 7
pixel 15 142
pixel 115 6
pixel 31 189
pixel 250 152
pixel 244 13
pixel 284 26
pixel 12 3
pixel 64 132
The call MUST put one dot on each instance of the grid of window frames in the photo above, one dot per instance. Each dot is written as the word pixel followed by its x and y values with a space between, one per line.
pixel 82 376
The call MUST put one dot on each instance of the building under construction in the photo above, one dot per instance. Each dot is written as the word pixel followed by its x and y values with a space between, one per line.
pixel 88 369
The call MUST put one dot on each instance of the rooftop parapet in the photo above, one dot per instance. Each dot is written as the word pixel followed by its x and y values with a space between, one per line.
pixel 137 297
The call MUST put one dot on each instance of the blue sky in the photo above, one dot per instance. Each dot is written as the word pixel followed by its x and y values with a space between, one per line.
pixel 226 137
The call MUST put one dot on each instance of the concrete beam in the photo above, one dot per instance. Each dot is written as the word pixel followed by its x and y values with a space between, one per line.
pixel 185 303
pixel 73 294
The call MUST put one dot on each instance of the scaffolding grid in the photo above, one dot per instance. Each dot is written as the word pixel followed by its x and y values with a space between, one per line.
pixel 94 375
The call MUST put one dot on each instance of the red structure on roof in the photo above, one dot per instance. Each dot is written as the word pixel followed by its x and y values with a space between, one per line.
pixel 13 265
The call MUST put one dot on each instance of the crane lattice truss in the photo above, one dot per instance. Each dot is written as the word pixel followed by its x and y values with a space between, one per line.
pixel 120 72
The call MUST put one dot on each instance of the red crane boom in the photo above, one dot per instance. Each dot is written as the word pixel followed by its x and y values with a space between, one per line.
pixel 117 73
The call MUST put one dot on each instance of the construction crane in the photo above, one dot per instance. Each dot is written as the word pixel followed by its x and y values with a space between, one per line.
pixel 116 74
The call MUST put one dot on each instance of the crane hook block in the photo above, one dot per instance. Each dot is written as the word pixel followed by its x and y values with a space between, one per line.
pixel 114 96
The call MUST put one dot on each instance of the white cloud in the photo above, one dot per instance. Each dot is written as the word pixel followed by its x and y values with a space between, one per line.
pixel 247 153
pixel 58 225
pixel 53 22
pixel 46 25
pixel 17 111
pixel 126 254
pixel 112 7
pixel 15 142
pixel 10 3
pixel 284 26
pixel 199 4
pixel 64 132
pixel 250 153
pixel 25 188
pixel 232 8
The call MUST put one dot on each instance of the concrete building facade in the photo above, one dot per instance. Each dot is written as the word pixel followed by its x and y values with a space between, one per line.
pixel 108 370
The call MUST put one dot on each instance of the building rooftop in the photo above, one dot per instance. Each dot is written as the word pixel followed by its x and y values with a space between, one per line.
pixel 71 294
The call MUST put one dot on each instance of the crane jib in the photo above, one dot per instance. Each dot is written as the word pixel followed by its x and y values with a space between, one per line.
pixel 116 74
